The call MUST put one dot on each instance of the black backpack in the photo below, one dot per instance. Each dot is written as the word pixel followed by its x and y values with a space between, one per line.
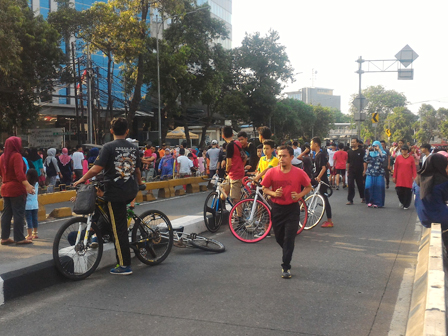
pixel 50 170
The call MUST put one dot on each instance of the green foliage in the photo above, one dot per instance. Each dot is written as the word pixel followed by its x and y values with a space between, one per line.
pixel 262 65
pixel 340 117
pixel 401 123
pixel 292 119
pixel 324 121
pixel 430 123
pixel 28 70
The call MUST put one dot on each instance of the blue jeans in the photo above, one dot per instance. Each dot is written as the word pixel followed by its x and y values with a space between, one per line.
pixel 31 218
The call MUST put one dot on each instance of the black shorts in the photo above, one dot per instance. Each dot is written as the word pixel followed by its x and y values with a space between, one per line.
pixel 340 172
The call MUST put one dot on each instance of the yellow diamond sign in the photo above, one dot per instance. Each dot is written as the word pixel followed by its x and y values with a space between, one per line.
pixel 388 133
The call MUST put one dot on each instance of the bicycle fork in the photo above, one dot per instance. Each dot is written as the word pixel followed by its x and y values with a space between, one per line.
pixel 86 235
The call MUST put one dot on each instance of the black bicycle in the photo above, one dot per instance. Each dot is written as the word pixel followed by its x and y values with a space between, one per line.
pixel 78 245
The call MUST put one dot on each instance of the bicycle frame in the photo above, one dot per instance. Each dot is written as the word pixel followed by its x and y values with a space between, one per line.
pixel 219 190
pixel 315 192
pixel 258 194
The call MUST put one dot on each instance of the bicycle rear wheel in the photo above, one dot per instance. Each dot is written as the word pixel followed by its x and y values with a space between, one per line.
pixel 303 215
pixel 208 244
pixel 77 261
pixel 246 230
pixel 152 237
pixel 213 212
pixel 316 210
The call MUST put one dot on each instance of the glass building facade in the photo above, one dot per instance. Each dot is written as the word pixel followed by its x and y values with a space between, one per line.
pixel 221 9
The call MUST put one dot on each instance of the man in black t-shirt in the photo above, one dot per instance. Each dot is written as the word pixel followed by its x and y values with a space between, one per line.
pixel 120 161
pixel 320 162
pixel 251 152
pixel 355 169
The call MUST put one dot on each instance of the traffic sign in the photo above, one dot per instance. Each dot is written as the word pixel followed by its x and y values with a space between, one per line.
pixel 360 102
pixel 375 117
pixel 406 56
pixel 388 133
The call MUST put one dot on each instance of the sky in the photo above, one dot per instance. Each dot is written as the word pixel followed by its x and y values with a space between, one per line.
pixel 329 36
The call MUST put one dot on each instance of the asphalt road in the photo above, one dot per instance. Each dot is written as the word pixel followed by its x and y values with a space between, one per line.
pixel 350 280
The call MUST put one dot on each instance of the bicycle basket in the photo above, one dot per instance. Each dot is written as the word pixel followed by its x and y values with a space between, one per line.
pixel 85 200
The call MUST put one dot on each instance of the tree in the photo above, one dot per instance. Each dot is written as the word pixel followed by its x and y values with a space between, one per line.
pixel 324 121
pixel 381 101
pixel 340 117
pixel 30 70
pixel 262 67
pixel 401 123
pixel 429 122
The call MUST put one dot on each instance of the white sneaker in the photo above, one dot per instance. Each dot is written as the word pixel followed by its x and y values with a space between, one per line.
pixel 405 208
pixel 400 205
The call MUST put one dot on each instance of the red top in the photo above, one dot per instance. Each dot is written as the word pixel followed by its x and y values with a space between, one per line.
pixel 13 177
pixel 340 157
pixel 404 171
pixel 236 171
pixel 148 153
pixel 294 180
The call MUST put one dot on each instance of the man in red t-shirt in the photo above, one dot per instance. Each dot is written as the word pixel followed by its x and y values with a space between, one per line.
pixel 284 184
pixel 340 164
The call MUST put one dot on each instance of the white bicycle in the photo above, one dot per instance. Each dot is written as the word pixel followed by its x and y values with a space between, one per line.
pixel 316 207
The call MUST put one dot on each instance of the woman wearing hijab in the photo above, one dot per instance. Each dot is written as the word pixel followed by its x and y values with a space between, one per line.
pixel 375 190
pixel 166 165
pixel 51 169
pixel 431 191
pixel 404 175
pixel 14 190
pixel 66 167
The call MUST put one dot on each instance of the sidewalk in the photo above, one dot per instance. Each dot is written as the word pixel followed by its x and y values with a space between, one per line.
pixel 19 264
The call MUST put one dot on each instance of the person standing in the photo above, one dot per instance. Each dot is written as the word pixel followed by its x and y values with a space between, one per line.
pixel 320 162
pixel 355 168
pixel 65 164
pixel 213 156
pixel 425 149
pixel 38 164
pixel 184 164
pixel 297 152
pixel 32 206
pixel 375 191
pixel 268 161
pixel 331 151
pixel 284 184
pixel 14 189
pixel 51 169
pixel 251 152
pixel 307 162
pixel 404 175
pixel 386 164
pixel 78 158
pixel 120 161
pixel 340 164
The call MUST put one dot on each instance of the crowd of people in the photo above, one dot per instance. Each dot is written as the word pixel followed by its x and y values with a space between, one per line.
pixel 287 173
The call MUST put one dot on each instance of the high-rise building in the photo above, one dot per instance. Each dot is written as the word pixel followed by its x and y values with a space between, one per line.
pixel 316 96
pixel 222 9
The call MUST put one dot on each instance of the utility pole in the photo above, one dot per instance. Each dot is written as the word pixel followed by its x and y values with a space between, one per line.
pixel 89 96
pixel 159 113
pixel 78 135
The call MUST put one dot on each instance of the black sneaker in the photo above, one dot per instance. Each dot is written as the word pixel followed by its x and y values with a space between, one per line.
pixel 286 274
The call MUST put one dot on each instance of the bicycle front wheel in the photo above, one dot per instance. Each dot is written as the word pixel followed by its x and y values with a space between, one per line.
pixel 153 237
pixel 213 212
pixel 245 228
pixel 208 244
pixel 77 261
pixel 303 215
pixel 316 210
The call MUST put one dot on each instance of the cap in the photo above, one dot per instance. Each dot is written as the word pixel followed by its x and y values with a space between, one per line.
pixel 214 142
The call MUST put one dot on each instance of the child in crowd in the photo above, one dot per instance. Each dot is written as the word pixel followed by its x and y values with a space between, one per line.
pixel 268 161
pixel 147 154
pixel 32 206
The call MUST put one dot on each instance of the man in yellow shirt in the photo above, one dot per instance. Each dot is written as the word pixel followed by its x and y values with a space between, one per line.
pixel 268 161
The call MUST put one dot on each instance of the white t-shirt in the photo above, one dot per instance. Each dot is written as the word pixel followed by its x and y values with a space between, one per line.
pixel 297 152
pixel 185 164
pixel 330 157
pixel 77 158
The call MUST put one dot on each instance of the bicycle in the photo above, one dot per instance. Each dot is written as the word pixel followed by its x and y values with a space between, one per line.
pixel 77 255
pixel 214 206
pixel 315 207
pixel 256 217
pixel 182 239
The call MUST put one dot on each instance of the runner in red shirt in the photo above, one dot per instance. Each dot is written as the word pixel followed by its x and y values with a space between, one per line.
pixel 340 164
pixel 284 184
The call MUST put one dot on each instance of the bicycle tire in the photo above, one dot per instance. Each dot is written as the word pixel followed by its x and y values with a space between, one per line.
pixel 208 244
pixel 213 215
pixel 153 237
pixel 329 192
pixel 76 262
pixel 304 211
pixel 246 231
pixel 316 212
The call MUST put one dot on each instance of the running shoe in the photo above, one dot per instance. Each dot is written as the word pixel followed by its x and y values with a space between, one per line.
pixel 369 205
pixel 94 243
pixel 286 274
pixel 121 270
pixel 375 206
pixel 404 208
pixel 327 224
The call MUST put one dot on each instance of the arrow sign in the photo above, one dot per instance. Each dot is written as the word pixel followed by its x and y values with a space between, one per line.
pixel 388 133
pixel 375 117
pixel 360 102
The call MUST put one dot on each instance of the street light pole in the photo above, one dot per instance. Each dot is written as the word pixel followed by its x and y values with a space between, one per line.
pixel 360 72
pixel 159 114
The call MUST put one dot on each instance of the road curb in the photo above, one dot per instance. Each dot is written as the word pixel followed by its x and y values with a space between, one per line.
pixel 428 307
pixel 44 274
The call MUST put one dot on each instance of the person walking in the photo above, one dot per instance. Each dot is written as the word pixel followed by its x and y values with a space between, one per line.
pixel 51 169
pixel 38 164
pixel 166 166
pixel 284 184
pixel 404 175
pixel 340 164
pixel 78 158
pixel 375 191
pixel 14 189
pixel 32 206
pixel 321 162
pixel 65 164
pixel 386 164
pixel 355 168
pixel 213 156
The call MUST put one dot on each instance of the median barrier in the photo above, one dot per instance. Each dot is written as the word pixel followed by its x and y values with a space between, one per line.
pixel 428 307
pixel 61 212
pixel 193 186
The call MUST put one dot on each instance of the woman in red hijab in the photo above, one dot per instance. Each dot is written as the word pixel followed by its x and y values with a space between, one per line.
pixel 14 190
